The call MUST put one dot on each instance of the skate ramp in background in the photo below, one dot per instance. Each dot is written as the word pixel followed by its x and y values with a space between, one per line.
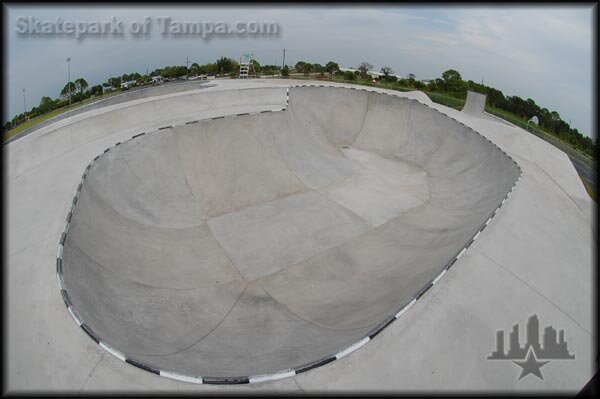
pixel 475 104
pixel 252 244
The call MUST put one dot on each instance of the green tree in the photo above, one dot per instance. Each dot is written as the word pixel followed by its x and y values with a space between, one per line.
pixel 299 67
pixel 349 75
pixel 96 90
pixel 452 82
pixel 81 85
pixel 255 66
pixel 451 75
pixel 195 69
pixel 307 69
pixel 115 82
pixel 46 105
pixel 69 88
pixel 318 68
pixel 332 67
pixel 285 71
pixel 226 65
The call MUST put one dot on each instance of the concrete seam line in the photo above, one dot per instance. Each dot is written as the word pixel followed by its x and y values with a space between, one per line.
pixel 280 374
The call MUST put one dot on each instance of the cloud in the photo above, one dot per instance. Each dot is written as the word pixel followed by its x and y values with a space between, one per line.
pixel 539 52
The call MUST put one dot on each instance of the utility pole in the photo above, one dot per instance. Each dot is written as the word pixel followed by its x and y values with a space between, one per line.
pixel 187 68
pixel 69 79
pixel 283 63
pixel 24 105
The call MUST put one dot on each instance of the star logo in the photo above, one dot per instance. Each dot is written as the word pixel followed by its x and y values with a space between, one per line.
pixel 531 365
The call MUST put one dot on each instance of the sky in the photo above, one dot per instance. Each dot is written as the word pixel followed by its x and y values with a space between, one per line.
pixel 539 52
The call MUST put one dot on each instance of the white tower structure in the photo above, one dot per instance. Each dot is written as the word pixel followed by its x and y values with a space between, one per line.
pixel 246 64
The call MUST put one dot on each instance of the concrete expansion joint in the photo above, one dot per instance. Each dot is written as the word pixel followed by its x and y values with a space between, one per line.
pixel 284 373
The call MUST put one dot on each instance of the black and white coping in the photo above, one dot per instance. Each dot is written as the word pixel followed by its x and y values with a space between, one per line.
pixel 284 373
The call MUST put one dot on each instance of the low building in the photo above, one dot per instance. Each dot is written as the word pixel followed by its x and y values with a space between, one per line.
pixel 128 84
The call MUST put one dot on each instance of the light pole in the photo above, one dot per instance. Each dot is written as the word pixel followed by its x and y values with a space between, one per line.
pixel 69 79
pixel 283 63
pixel 187 68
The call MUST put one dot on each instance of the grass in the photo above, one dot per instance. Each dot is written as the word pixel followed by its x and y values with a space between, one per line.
pixel 435 97
pixel 550 138
pixel 38 119
pixel 459 103
pixel 592 194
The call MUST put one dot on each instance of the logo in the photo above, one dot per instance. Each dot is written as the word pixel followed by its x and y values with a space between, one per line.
pixel 533 355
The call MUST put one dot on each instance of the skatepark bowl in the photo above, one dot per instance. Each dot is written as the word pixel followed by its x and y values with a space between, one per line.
pixel 257 246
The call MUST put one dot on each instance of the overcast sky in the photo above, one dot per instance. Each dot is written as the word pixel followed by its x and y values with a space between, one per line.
pixel 543 52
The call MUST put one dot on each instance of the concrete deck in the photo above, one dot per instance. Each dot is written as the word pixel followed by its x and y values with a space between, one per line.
pixel 309 230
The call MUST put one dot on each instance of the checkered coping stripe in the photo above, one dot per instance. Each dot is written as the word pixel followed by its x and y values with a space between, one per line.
pixel 284 373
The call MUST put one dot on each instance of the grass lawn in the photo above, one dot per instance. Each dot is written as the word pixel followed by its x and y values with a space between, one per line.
pixel 440 98
pixel 552 139
pixel 34 121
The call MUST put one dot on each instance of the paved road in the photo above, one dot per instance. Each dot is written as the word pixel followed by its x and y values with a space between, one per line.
pixel 130 95
pixel 587 174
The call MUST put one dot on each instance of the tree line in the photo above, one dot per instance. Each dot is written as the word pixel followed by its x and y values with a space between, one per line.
pixel 450 83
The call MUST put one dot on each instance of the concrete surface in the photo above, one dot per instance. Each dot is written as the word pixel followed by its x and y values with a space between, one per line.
pixel 319 265
pixel 128 95
pixel 536 256
pixel 475 106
